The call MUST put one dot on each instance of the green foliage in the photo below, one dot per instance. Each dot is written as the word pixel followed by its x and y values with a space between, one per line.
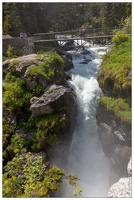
pixel 119 106
pixel 127 25
pixel 120 37
pixel 8 130
pixel 46 130
pixel 26 176
pixel 55 17
pixel 116 66
pixel 37 90
pixel 9 52
pixel 50 69
pixel 14 95
pixel 7 24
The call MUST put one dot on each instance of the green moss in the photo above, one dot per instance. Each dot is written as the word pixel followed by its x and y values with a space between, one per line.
pixel 51 68
pixel 119 106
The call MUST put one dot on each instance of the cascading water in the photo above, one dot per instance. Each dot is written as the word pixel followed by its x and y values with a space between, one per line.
pixel 85 156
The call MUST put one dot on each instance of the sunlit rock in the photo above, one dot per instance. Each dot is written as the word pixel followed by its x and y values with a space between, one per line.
pixel 121 189
pixel 52 100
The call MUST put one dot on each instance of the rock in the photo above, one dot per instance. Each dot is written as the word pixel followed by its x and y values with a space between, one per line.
pixel 34 155
pixel 83 62
pixel 121 189
pixel 115 137
pixel 69 56
pixel 21 64
pixel 67 75
pixel 33 100
pixel 68 64
pixel 52 100
pixel 86 52
pixel 11 119
pixel 88 60
pixel 129 167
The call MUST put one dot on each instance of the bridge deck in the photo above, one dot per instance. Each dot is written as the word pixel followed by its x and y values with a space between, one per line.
pixel 74 38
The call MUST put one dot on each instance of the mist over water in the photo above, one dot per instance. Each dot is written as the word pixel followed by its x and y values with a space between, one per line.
pixel 84 155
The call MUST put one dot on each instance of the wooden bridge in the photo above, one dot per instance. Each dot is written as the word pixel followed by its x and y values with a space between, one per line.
pixel 67 40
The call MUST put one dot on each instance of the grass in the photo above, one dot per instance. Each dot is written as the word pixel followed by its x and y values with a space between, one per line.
pixel 116 65
pixel 119 106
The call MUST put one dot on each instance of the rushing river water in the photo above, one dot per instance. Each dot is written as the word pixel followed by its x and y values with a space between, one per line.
pixel 84 155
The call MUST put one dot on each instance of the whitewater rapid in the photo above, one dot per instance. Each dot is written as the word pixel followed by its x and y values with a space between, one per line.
pixel 85 156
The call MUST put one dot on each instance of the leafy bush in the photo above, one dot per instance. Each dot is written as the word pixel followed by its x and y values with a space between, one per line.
pixel 26 176
pixel 120 37
pixel 46 131
pixel 14 94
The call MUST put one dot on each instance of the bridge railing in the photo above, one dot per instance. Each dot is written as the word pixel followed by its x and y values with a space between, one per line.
pixel 76 33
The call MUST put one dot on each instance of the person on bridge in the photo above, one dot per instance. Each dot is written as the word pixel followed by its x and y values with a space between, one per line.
pixel 83 31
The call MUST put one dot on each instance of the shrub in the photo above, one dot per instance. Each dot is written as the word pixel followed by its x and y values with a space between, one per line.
pixel 14 94
pixel 9 52
pixel 26 176
pixel 120 37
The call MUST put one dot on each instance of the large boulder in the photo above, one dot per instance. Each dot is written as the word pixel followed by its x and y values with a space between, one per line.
pixel 122 188
pixel 52 100
pixel 20 64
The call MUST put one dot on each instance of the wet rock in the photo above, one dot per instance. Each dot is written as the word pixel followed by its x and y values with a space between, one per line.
pixel 85 52
pixel 67 75
pixel 68 64
pixel 83 62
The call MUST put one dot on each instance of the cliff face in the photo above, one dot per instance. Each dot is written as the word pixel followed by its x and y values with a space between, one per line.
pixel 114 110
pixel 115 136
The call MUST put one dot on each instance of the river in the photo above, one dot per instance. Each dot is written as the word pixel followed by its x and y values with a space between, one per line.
pixel 84 155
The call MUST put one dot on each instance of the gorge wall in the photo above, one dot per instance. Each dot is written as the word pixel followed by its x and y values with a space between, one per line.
pixel 114 119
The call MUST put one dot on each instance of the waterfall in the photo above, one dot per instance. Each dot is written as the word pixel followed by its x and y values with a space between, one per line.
pixel 85 156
